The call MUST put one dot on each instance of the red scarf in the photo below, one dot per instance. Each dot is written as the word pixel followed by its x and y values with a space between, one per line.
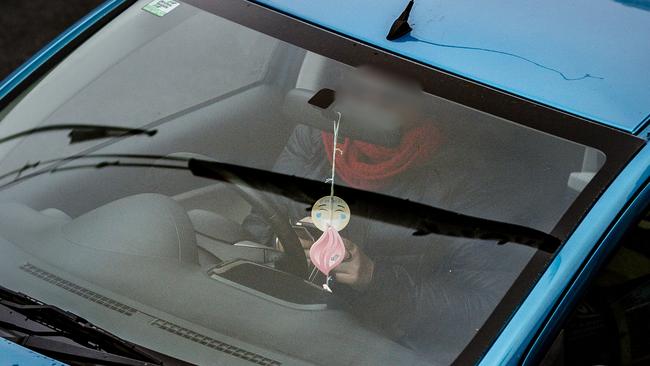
pixel 370 167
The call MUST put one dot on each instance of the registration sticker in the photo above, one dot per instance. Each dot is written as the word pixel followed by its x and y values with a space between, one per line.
pixel 161 7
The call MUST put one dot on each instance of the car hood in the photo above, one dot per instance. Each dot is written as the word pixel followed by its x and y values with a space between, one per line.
pixel 587 57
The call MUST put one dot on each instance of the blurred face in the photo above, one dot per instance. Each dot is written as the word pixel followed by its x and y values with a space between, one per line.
pixel 378 91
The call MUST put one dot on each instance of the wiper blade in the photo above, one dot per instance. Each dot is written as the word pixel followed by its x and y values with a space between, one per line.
pixel 32 165
pixel 92 344
pixel 83 132
pixel 58 165
pixel 423 218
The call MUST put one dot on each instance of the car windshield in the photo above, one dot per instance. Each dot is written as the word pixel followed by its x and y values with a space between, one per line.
pixel 99 214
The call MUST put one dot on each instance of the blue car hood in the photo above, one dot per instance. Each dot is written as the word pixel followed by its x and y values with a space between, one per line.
pixel 587 57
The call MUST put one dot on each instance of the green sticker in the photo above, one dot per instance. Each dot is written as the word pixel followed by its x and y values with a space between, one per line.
pixel 161 7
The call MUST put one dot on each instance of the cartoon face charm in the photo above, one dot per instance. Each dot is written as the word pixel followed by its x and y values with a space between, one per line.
pixel 330 211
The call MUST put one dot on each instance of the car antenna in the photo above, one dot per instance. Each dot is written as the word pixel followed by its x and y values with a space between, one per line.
pixel 401 26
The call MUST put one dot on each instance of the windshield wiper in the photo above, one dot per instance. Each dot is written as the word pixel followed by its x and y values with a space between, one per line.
pixel 90 344
pixel 83 132
pixel 32 165
pixel 423 218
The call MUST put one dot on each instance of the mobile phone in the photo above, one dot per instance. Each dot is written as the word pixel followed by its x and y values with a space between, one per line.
pixel 303 233
pixel 305 229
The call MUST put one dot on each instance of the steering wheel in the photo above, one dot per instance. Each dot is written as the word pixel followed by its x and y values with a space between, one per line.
pixel 295 261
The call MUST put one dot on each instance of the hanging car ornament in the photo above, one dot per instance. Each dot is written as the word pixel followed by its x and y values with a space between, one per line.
pixel 330 214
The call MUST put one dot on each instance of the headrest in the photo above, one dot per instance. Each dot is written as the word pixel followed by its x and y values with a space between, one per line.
pixel 149 224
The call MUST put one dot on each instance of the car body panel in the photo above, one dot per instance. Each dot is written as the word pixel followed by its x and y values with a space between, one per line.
pixel 605 247
pixel 556 53
pixel 14 354
pixel 619 100
pixel 513 341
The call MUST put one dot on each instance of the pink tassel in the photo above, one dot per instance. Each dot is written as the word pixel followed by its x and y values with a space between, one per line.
pixel 328 251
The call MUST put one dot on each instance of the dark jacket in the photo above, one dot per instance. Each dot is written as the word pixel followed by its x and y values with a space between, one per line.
pixel 431 293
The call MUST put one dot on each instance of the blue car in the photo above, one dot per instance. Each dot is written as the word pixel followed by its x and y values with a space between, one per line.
pixel 275 182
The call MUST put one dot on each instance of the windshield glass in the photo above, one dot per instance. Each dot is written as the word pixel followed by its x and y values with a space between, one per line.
pixel 220 271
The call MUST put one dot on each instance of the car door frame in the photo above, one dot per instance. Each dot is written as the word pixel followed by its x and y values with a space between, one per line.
pixel 602 252
pixel 533 326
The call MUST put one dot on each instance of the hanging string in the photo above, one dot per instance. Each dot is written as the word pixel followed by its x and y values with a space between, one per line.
pixel 329 250
pixel 334 151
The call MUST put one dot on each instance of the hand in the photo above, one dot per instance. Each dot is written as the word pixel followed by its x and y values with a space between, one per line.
pixel 306 245
pixel 356 270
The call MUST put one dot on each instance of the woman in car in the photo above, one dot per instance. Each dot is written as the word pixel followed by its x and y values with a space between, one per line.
pixel 405 286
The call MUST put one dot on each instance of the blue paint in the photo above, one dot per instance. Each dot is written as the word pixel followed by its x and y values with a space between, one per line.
pixel 511 344
pixel 21 73
pixel 411 38
pixel 608 245
pixel 12 354
pixel 588 57
pixel 604 39
pixel 644 130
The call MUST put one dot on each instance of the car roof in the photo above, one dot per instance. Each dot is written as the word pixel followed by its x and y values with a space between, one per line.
pixel 587 57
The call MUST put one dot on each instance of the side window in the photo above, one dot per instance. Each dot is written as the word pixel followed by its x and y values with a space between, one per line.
pixel 611 323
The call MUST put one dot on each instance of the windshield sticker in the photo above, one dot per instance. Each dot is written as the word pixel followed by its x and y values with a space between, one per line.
pixel 161 7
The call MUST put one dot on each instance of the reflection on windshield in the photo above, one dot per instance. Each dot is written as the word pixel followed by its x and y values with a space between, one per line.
pixel 441 199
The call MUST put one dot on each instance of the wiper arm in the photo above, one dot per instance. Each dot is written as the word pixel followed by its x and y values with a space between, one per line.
pixel 32 165
pixel 83 132
pixel 92 344
pixel 19 176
